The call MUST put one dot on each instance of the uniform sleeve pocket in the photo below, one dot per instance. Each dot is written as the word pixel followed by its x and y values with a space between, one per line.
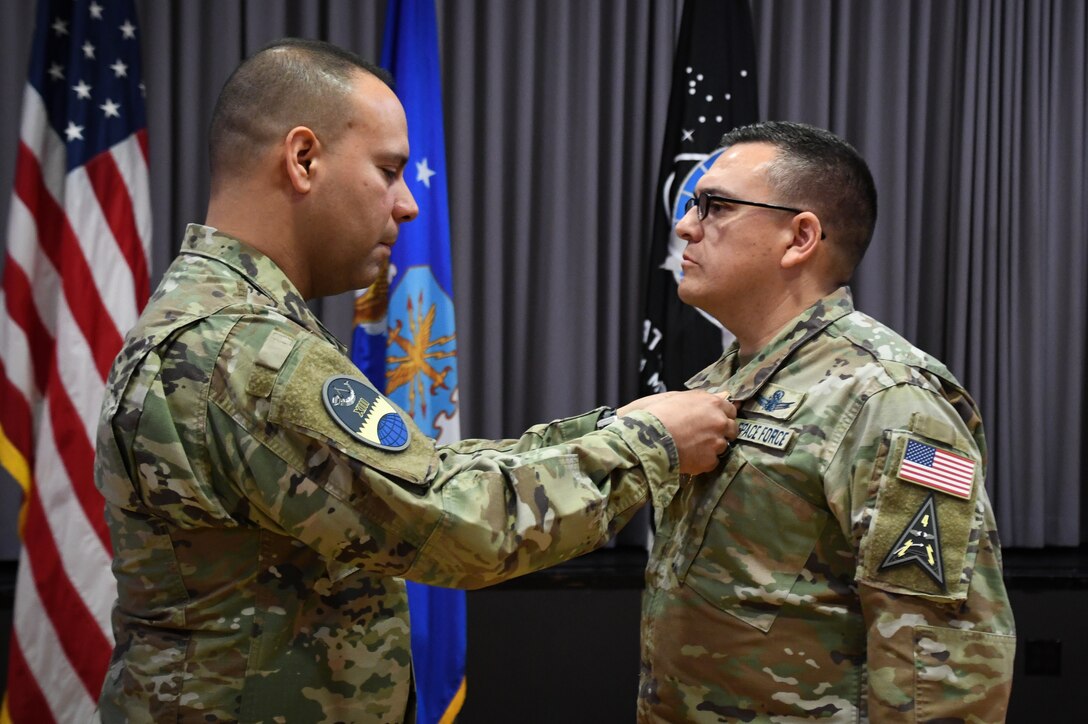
pixel 756 542
pixel 957 671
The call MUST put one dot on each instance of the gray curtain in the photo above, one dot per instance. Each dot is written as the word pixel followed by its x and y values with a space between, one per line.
pixel 16 22
pixel 555 112
pixel 972 115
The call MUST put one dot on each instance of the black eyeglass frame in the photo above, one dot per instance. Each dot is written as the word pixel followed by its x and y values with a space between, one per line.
pixel 702 205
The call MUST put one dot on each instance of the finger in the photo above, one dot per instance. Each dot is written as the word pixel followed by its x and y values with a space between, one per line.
pixel 721 444
pixel 727 403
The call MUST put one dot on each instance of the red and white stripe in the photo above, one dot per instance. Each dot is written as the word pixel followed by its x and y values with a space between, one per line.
pixel 949 473
pixel 75 279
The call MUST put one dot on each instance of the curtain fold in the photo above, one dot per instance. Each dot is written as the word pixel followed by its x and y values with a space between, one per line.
pixel 972 117
pixel 554 129
pixel 972 114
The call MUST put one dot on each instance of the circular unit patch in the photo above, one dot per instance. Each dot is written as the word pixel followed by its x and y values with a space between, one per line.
pixel 367 415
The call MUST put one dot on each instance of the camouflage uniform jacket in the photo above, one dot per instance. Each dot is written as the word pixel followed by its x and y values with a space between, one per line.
pixel 812 576
pixel 258 545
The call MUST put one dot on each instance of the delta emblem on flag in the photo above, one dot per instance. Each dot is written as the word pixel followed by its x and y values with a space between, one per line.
pixel 933 468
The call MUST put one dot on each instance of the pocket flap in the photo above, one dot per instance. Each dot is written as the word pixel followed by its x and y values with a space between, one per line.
pixel 745 569
pixel 957 670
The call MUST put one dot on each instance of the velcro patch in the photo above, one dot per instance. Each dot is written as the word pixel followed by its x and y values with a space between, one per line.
pixel 760 433
pixel 931 467
pixel 364 413
pixel 275 350
pixel 904 517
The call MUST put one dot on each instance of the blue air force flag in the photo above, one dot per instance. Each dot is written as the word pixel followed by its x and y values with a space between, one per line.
pixel 404 333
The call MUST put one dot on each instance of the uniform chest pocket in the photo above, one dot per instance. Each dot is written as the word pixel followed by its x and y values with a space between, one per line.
pixel 756 542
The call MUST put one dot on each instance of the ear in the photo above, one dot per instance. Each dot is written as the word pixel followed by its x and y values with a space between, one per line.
pixel 301 152
pixel 808 235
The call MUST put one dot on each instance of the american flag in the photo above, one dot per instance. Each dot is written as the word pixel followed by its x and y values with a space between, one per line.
pixel 934 468
pixel 74 280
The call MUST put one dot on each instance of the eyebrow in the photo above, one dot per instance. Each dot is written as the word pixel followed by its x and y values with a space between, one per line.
pixel 400 159
pixel 716 191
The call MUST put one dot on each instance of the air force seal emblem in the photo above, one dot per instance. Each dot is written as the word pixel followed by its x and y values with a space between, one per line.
pixel 364 413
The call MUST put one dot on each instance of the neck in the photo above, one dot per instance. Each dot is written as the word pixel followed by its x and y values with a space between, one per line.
pixel 261 226
pixel 755 325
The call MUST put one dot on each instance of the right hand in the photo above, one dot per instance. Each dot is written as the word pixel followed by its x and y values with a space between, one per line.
pixel 701 425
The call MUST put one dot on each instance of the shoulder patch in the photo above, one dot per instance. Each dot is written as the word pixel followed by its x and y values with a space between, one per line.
pixel 929 466
pixel 365 414
pixel 920 543
pixel 912 520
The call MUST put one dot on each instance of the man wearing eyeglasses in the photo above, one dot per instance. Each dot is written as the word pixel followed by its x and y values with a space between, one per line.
pixel 264 500
pixel 842 561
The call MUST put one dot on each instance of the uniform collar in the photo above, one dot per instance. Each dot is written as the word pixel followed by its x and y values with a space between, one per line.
pixel 258 270
pixel 746 382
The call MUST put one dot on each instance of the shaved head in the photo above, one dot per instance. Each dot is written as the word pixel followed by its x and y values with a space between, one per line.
pixel 290 83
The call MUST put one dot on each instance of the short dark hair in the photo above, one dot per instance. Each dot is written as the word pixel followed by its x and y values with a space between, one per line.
pixel 817 170
pixel 291 82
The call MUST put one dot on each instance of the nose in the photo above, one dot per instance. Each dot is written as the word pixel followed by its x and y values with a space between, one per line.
pixel 405 207
pixel 689 227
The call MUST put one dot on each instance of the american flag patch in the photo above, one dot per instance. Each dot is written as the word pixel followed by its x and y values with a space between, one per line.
pixel 933 468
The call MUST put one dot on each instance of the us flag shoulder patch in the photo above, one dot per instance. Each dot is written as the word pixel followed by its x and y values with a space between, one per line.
pixel 940 470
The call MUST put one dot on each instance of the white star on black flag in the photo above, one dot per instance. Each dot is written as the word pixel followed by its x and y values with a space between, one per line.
pixel 713 91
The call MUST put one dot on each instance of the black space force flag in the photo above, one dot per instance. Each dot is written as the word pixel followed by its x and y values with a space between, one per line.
pixel 713 91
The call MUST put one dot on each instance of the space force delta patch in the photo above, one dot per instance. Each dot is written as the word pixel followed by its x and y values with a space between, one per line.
pixel 364 413
pixel 920 544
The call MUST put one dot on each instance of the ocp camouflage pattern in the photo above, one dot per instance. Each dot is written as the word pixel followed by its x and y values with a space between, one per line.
pixel 766 597
pixel 259 548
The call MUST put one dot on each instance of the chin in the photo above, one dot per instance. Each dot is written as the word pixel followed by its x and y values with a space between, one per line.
pixel 364 280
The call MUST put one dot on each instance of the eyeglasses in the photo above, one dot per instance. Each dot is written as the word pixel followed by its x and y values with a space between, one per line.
pixel 702 205
pixel 703 201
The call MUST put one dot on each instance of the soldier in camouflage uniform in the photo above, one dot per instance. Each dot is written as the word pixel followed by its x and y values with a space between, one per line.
pixel 263 499
pixel 842 563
